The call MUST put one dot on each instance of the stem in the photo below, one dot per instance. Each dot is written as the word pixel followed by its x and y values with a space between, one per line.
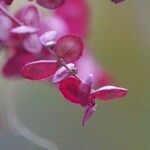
pixel 62 62
pixel 15 124
pixel 3 10
pixel 71 71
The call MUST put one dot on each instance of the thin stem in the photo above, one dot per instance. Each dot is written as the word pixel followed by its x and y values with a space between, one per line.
pixel 71 71
pixel 62 62
pixel 3 10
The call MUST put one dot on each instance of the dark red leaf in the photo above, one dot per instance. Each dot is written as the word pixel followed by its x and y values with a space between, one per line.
pixel 69 47
pixel 69 89
pixel 75 91
pixel 39 70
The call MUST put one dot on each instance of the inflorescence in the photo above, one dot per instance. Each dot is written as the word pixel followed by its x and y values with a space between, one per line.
pixel 51 49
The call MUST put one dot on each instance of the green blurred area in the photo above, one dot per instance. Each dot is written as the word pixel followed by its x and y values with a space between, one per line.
pixel 119 39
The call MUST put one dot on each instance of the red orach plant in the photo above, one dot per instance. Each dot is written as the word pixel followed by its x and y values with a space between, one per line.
pixel 51 48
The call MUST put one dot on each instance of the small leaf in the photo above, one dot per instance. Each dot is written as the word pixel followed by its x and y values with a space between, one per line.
pixel 109 93
pixel 39 70
pixel 24 29
pixel 69 47
pixel 89 112
pixel 31 16
pixel 47 37
pixel 69 89
pixel 75 91
pixel 62 73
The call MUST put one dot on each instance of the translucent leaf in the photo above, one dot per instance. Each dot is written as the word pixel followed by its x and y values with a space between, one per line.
pixel 69 47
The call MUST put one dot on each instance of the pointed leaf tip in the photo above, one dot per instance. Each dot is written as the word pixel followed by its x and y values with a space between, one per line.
pixel 89 112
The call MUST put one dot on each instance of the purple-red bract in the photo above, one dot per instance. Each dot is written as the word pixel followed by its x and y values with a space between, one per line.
pixel 31 16
pixel 70 88
pixel 75 90
pixel 39 70
pixel 89 112
pixel 69 47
